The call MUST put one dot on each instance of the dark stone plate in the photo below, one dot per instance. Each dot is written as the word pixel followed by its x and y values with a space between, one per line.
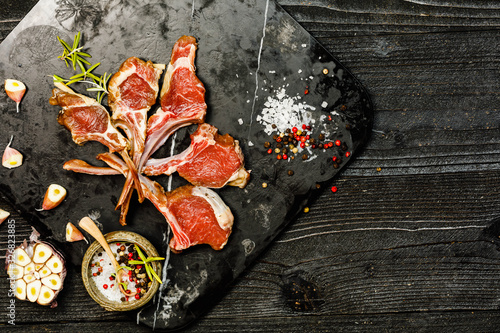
pixel 252 57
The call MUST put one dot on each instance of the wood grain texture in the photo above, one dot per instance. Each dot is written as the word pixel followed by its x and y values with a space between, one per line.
pixel 402 247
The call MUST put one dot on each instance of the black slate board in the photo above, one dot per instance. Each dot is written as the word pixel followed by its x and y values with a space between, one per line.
pixel 249 51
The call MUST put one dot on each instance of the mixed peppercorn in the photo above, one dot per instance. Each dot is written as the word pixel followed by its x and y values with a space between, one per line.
pixel 285 145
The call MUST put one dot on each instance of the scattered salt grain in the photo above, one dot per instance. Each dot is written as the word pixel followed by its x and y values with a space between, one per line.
pixel 284 111
pixel 324 104
pixel 240 121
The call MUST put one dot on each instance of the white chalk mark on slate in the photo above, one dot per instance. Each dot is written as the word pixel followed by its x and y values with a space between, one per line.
pixel 258 68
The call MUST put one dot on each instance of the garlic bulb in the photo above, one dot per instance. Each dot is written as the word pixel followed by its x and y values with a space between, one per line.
pixel 36 271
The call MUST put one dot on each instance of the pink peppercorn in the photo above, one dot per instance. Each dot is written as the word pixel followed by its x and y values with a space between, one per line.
pixel 334 189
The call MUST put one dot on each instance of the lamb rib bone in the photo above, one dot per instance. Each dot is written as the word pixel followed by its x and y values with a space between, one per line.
pixel 212 160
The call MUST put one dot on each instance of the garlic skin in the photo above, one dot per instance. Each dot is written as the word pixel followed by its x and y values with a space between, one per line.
pixel 36 271
pixel 11 158
pixel 15 90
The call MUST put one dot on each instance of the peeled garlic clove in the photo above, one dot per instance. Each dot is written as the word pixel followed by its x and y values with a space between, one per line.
pixel 53 197
pixel 53 281
pixel 54 264
pixel 15 90
pixel 29 278
pixel 20 289
pixel 29 268
pixel 3 215
pixel 33 290
pixel 15 271
pixel 42 252
pixel 11 157
pixel 72 233
pixel 45 271
pixel 21 258
pixel 46 295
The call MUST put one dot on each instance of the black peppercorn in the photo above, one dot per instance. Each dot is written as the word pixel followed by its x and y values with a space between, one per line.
pixel 348 127
pixel 321 136
pixel 290 172
pixel 305 157
pixel 335 165
pixel 267 144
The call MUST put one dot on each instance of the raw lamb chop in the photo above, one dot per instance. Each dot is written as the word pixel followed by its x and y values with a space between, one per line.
pixel 197 215
pixel 182 98
pixel 132 92
pixel 87 120
pixel 212 160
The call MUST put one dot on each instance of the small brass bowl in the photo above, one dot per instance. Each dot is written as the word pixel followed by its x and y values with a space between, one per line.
pixel 126 237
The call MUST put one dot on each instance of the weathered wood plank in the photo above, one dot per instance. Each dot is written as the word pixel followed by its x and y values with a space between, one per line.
pixel 400 248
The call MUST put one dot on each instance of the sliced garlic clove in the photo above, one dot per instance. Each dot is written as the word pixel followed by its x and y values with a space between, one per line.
pixel 33 290
pixel 52 281
pixel 54 264
pixel 21 258
pixel 20 289
pixel 15 271
pixel 29 268
pixel 72 233
pixel 38 267
pixel 11 157
pixel 44 271
pixel 42 252
pixel 29 278
pixel 46 295
pixel 3 215
pixel 53 197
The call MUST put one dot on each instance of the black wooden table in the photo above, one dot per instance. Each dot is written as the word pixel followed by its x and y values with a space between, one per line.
pixel 409 242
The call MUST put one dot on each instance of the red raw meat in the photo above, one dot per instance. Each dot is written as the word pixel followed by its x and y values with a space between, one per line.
pixel 201 215
pixel 212 160
pixel 86 119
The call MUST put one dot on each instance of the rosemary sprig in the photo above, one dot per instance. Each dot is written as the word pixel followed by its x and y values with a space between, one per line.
pixel 146 262
pixel 74 55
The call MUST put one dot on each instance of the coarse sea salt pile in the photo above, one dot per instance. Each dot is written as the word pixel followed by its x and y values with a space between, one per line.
pixel 284 112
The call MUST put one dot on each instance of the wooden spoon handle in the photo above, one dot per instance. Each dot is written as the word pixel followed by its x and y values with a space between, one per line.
pixel 89 226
